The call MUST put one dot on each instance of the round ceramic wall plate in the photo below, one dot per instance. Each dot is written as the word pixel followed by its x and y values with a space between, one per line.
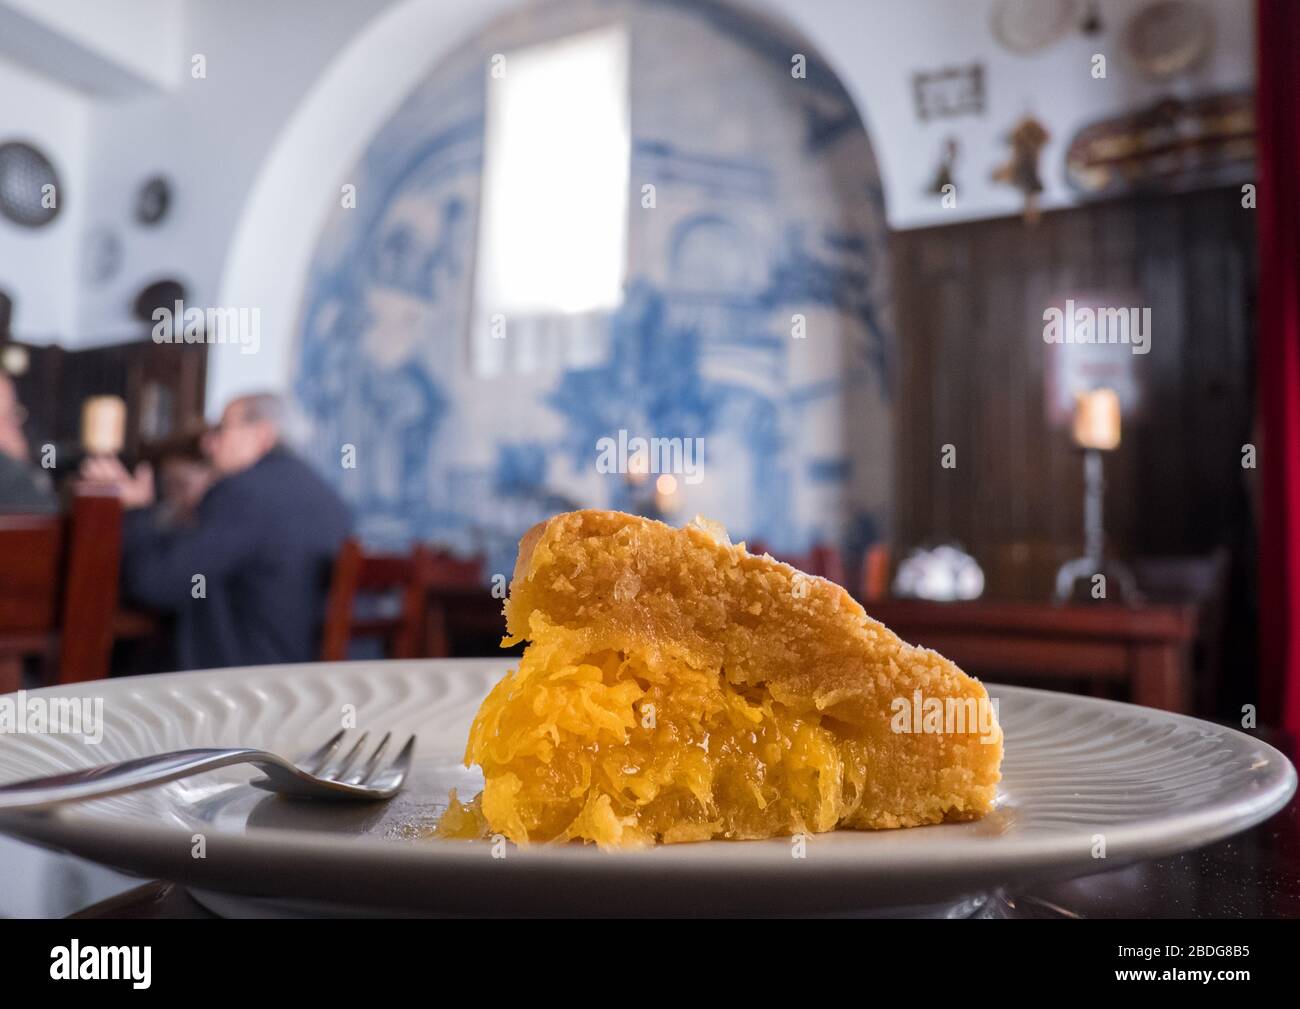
pixel 1168 37
pixel 1078 773
pixel 29 186
pixel 1026 26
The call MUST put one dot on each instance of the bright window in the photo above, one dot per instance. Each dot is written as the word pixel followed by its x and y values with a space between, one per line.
pixel 553 226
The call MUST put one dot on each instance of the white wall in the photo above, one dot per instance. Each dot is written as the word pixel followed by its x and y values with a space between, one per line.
pixel 294 87
pixel 38 266
pixel 300 178
pixel 211 137
pixel 876 45
pixel 132 37
pixel 873 45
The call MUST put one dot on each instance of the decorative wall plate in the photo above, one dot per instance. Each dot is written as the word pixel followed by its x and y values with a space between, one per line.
pixel 153 200
pixel 102 255
pixel 1168 37
pixel 163 293
pixel 25 174
pixel 1026 26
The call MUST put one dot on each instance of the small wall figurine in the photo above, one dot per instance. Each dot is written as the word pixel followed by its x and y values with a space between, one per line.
pixel 943 173
pixel 1027 141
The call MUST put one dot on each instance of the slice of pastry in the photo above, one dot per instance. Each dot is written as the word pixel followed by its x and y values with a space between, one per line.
pixel 678 688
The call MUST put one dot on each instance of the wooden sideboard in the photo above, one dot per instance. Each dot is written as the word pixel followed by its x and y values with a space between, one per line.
pixel 1144 648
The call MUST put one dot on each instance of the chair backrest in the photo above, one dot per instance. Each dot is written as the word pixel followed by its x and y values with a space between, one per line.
pixel 825 562
pixel 1199 579
pixel 357 574
pixel 443 569
pixel 90 587
pixel 875 573
pixel 31 563
pixel 59 585
pixel 1202 581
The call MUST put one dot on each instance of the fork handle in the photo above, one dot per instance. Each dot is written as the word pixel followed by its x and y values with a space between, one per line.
pixel 126 776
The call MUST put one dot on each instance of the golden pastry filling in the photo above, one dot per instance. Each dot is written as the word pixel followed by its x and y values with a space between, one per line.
pixel 650 707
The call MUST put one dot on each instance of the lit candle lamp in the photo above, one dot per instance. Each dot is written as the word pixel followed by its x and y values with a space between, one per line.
pixel 666 494
pixel 1096 430
pixel 1097 420
pixel 103 425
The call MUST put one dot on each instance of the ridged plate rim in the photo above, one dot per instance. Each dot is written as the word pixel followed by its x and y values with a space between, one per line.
pixel 1229 782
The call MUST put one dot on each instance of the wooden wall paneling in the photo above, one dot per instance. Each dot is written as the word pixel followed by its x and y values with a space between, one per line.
pixel 970 302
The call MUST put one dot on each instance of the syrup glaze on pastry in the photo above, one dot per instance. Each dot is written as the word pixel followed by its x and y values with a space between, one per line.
pixel 678 688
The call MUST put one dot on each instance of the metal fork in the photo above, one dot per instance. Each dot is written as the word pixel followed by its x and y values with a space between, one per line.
pixel 316 775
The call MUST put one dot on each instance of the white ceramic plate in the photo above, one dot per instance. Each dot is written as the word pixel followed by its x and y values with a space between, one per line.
pixel 1077 772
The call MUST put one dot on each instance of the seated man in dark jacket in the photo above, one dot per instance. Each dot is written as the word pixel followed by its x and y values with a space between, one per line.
pixel 23 488
pixel 247 581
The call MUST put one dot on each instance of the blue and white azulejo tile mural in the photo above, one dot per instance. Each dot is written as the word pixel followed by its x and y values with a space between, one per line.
pixel 754 317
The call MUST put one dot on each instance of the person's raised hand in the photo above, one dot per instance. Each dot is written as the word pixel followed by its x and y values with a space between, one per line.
pixel 136 490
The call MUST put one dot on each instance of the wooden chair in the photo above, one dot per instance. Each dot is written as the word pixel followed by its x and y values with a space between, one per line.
pixel 875 573
pixel 1203 582
pixel 357 573
pixel 826 562
pixel 59 589
pixel 443 569
pixel 455 597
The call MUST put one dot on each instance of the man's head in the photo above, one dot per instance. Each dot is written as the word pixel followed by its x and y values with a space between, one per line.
pixel 13 442
pixel 249 428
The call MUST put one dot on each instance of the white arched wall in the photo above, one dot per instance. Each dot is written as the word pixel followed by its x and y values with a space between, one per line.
pixel 270 252
pixel 298 185
pixel 872 47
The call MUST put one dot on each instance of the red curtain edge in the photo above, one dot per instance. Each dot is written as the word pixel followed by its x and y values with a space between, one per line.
pixel 1278 360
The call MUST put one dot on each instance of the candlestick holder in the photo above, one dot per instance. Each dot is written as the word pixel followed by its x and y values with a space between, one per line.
pixel 1094 560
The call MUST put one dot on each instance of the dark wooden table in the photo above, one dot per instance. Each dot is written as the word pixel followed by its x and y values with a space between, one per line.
pixel 1143 648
